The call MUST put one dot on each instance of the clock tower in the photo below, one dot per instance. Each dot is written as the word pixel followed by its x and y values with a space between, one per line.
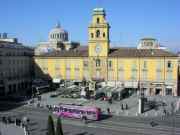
pixel 98 32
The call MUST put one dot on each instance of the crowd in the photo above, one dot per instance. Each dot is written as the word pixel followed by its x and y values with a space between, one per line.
pixel 21 122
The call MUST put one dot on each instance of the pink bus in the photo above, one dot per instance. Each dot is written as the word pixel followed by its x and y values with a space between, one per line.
pixel 77 111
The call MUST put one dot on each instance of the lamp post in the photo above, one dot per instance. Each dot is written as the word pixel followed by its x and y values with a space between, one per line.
pixel 141 100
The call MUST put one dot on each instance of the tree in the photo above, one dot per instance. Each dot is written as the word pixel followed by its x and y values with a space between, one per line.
pixel 59 130
pixel 50 126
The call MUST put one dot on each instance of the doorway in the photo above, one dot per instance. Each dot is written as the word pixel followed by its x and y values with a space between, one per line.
pixel 158 91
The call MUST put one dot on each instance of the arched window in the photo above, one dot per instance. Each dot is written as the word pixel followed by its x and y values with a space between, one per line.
pixel 98 63
pixel 104 34
pixel 97 33
pixel 97 20
pixel 92 35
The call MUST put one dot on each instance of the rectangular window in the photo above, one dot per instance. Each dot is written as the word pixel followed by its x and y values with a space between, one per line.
pixel 97 74
pixel 169 64
pixel 134 70
pixel 144 75
pixel 159 75
pixel 159 65
pixel 86 74
pixel 134 74
pixel 134 65
pixel 57 65
pixel 121 75
pixel 110 64
pixel 169 75
pixel 68 73
pixel 76 75
pixel 110 75
pixel 168 91
pixel 145 64
pixel 85 64
pixel 68 64
pixel 76 65
pixel 98 63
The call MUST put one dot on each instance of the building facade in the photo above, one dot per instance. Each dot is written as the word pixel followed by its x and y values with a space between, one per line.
pixel 153 70
pixel 15 66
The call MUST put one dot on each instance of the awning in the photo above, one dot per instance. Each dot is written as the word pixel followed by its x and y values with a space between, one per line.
pixel 56 80
pixel 169 87
pixel 157 83
pixel 133 84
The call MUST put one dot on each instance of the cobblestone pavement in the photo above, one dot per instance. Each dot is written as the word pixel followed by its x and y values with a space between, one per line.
pixel 116 106
pixel 10 129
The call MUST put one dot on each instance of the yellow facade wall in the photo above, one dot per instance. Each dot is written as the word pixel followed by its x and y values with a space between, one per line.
pixel 76 65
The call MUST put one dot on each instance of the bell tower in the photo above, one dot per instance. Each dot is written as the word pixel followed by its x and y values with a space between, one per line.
pixel 98 32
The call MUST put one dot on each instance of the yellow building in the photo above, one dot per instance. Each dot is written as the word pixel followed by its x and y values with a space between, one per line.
pixel 153 70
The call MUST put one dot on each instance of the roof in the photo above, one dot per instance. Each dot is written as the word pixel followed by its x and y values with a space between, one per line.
pixel 64 53
pixel 11 45
pixel 82 51
pixel 148 38
pixel 134 52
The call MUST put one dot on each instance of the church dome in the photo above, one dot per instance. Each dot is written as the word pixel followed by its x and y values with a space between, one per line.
pixel 58 34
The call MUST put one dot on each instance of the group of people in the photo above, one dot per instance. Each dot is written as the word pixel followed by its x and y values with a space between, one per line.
pixel 17 121
pixel 124 107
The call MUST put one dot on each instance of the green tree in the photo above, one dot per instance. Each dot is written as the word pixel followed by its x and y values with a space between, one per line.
pixel 50 126
pixel 59 130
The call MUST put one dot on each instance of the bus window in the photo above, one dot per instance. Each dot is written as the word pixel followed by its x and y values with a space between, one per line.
pixel 91 112
pixel 82 112
pixel 65 109
pixel 70 110
pixel 56 109
pixel 60 109
pixel 76 111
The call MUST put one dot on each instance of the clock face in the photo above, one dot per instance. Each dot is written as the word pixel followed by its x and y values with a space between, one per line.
pixel 98 48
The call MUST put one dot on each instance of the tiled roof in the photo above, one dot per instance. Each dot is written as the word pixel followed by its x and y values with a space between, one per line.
pixel 114 52
pixel 133 52
pixel 70 53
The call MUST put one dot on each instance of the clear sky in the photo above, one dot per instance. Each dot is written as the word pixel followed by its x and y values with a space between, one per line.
pixel 130 20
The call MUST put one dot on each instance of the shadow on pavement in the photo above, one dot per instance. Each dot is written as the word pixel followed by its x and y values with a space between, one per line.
pixel 105 116
pixel 6 106
pixel 84 133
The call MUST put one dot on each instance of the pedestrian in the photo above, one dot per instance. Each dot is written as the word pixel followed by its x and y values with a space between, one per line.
pixel 110 101
pixel 122 107
pixel 108 111
pixel 9 119
pixel 165 112
pixel 4 119
pixel 126 106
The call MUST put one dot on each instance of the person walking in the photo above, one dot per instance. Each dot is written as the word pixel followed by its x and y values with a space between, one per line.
pixel 122 107
pixel 126 107
pixel 108 111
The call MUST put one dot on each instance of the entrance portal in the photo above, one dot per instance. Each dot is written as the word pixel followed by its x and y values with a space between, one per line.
pixel 158 91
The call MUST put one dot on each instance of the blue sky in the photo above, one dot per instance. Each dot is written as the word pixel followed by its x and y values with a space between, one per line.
pixel 130 20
